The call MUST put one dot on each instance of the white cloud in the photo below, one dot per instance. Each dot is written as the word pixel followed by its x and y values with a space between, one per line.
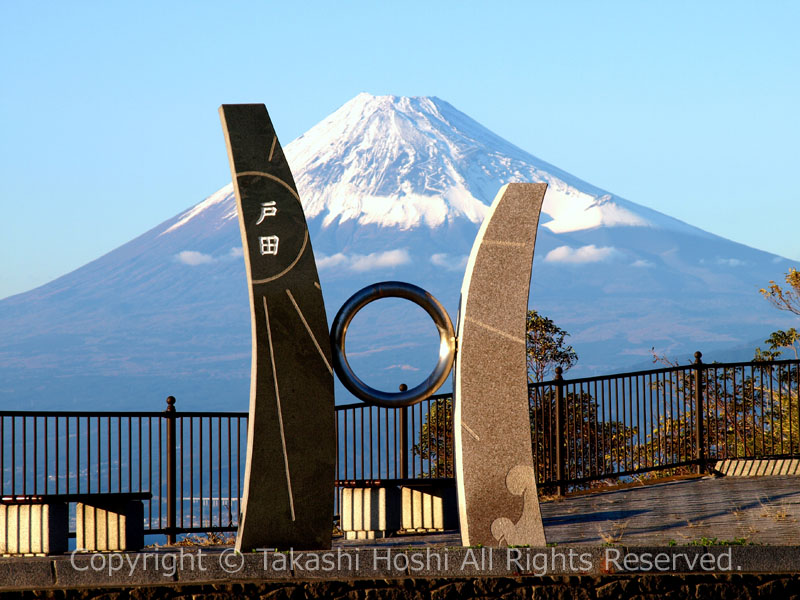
pixel 401 368
pixel 584 254
pixel 365 262
pixel 323 262
pixel 727 262
pixel 194 258
pixel 376 350
pixel 377 260
pixel 642 263
pixel 731 262
pixel 454 263
pixel 236 252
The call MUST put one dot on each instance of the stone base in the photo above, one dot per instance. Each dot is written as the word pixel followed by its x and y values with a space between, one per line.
pixel 758 467
pixel 429 508
pixel 109 525
pixel 367 513
pixel 366 535
pixel 34 528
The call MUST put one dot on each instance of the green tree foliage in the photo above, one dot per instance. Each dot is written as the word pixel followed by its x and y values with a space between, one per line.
pixel 779 341
pixel 546 348
pixel 776 389
pixel 436 439
pixel 785 299
pixel 750 411
pixel 593 444
pixel 592 441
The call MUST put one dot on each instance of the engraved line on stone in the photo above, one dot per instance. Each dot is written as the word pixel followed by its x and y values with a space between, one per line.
pixel 272 150
pixel 505 243
pixel 290 267
pixel 270 176
pixel 495 330
pixel 310 333
pixel 280 413
pixel 469 430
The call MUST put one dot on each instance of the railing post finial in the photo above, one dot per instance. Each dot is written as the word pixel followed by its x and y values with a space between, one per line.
pixel 560 454
pixel 171 470
pixel 699 414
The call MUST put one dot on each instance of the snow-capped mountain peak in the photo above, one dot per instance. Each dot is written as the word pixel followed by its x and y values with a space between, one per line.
pixel 386 161
pixel 410 162
pixel 573 210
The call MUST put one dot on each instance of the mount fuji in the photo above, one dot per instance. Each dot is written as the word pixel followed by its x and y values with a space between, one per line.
pixel 394 188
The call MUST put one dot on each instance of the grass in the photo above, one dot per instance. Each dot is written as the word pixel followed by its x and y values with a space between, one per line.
pixel 207 539
pixel 707 541
pixel 779 514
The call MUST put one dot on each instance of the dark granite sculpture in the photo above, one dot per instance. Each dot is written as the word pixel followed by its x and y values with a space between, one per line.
pixel 497 499
pixel 288 487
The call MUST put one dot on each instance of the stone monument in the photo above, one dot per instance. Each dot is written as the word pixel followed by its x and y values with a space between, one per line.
pixel 495 479
pixel 287 499
pixel 291 446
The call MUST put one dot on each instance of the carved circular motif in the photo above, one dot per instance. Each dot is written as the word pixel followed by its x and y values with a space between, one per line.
pixel 447 344
pixel 276 228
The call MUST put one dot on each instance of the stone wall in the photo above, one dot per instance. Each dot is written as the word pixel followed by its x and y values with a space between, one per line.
pixel 744 586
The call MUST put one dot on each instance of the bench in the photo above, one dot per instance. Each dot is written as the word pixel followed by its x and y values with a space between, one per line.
pixel 104 522
pixel 379 508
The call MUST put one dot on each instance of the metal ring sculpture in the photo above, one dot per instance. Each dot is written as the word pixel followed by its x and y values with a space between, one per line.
pixel 447 344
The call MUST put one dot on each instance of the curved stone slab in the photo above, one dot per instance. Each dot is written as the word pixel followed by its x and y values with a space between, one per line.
pixel 288 485
pixel 497 498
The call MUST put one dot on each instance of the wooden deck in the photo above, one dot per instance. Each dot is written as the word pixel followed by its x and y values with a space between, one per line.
pixel 760 510
pixel 755 510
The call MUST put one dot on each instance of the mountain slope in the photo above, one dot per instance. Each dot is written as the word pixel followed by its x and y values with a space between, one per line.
pixel 394 188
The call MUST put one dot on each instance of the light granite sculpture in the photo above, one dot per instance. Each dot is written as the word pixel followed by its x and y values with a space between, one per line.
pixel 495 479
pixel 288 484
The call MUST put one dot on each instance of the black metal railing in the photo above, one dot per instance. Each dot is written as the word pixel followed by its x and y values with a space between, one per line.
pixel 375 444
pixel 584 431
pixel 673 419
pixel 191 462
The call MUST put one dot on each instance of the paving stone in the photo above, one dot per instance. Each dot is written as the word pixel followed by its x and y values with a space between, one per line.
pixel 27 572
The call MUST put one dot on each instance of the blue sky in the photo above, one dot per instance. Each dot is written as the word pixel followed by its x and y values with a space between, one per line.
pixel 108 110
